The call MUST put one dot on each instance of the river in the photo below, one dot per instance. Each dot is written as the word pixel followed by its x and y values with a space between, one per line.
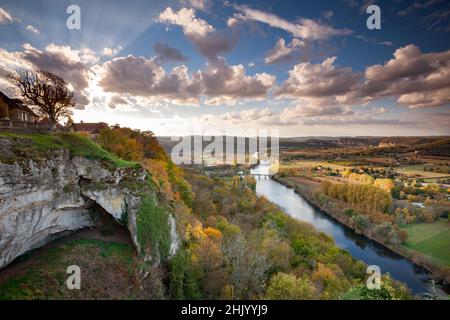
pixel 360 247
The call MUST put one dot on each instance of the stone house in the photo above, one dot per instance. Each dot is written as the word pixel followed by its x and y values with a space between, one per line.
pixel 15 110
pixel 92 130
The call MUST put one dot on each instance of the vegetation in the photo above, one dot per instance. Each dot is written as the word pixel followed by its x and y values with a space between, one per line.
pixel 367 196
pixel 432 239
pixel 48 93
pixel 389 290
pixel 262 254
pixel 235 245
pixel 40 146
pixel 153 229
pixel 110 270
pixel 132 145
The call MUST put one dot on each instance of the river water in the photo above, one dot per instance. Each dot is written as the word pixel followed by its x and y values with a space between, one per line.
pixel 359 246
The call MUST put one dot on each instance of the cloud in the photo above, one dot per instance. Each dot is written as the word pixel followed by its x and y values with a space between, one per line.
pixel 115 101
pixel 318 81
pixel 209 41
pixel 111 52
pixel 146 77
pixel 299 115
pixel 5 17
pixel 328 14
pixel 418 6
pixel 33 29
pixel 167 53
pixel 437 21
pixel 185 18
pixel 282 52
pixel 304 29
pixel 71 65
pixel 203 5
pixel 417 80
pixel 414 79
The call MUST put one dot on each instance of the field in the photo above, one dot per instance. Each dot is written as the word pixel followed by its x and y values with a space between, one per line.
pixel 417 170
pixel 311 164
pixel 432 239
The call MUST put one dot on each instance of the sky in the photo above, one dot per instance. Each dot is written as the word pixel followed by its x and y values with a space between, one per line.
pixel 303 68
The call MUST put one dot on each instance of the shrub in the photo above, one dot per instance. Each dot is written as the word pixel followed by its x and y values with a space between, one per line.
pixel 153 229
pixel 284 286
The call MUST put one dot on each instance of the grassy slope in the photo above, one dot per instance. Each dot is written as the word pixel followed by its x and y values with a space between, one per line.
pixel 38 146
pixel 432 239
pixel 108 271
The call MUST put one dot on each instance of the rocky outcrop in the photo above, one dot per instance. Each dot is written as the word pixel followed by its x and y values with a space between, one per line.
pixel 40 201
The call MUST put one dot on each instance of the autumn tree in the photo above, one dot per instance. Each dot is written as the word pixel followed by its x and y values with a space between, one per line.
pixel 46 92
pixel 289 287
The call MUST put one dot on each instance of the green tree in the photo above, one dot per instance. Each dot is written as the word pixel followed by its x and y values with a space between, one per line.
pixel 284 286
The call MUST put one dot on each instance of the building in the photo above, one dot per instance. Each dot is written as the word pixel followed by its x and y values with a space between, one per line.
pixel 15 110
pixel 92 130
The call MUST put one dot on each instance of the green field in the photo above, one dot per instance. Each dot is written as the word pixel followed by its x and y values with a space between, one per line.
pixel 432 239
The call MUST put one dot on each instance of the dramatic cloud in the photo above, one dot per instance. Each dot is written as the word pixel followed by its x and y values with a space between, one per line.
pixel 74 66
pixel 33 29
pixel 415 79
pixel 305 29
pixel 166 53
pixel 418 80
pixel 318 81
pixel 146 77
pixel 71 65
pixel 209 41
pixel 282 52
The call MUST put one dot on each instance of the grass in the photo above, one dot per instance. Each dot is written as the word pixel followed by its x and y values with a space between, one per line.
pixel 100 262
pixel 310 164
pixel 418 170
pixel 432 239
pixel 153 229
pixel 38 146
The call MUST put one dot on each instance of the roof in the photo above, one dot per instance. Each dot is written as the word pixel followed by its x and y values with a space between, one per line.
pixel 90 127
pixel 16 104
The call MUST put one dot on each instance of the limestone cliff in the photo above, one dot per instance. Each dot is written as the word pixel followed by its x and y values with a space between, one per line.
pixel 52 192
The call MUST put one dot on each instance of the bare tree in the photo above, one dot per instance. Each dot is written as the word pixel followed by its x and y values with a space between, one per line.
pixel 46 92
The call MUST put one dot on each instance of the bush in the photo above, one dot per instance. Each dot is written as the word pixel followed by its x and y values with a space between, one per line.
pixel 284 286
pixel 153 229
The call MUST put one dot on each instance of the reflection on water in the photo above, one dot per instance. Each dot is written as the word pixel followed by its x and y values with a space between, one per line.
pixel 359 246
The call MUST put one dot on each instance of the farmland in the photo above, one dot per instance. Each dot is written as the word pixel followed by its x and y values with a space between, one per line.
pixel 432 239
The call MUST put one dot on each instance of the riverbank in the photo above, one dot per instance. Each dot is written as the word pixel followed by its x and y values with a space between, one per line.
pixel 333 208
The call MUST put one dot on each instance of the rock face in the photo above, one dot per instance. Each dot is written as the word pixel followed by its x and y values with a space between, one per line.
pixel 42 201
